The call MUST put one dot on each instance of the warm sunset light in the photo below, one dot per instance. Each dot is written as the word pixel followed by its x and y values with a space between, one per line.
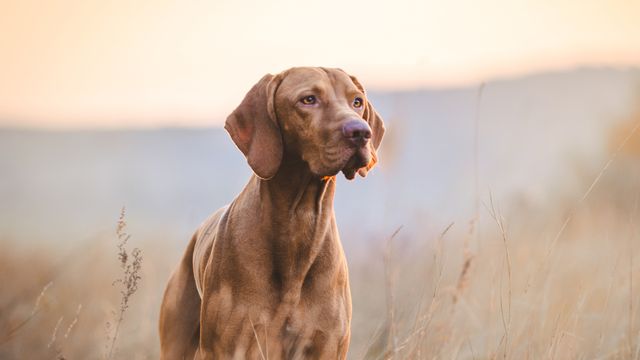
pixel 67 64
pixel 501 219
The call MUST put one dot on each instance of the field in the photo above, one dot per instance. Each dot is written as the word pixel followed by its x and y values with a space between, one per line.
pixel 553 275
pixel 514 282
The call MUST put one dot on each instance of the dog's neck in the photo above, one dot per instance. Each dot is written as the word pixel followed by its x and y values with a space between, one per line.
pixel 295 190
pixel 297 219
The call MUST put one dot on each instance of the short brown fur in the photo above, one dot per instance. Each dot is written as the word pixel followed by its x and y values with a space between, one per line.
pixel 266 276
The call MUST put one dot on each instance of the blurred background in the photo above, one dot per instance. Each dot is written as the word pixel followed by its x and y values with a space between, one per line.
pixel 511 166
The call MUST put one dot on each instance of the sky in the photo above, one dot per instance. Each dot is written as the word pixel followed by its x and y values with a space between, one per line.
pixel 154 63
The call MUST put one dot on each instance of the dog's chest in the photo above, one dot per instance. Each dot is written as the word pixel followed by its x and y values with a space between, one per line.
pixel 315 327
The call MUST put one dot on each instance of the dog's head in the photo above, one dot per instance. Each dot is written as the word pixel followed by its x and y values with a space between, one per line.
pixel 320 116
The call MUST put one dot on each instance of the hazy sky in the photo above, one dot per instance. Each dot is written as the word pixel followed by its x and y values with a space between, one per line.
pixel 109 63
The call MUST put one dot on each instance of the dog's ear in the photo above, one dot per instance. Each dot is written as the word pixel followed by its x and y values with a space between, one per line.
pixel 377 129
pixel 254 128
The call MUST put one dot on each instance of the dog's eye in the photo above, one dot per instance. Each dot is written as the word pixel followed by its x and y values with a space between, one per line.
pixel 357 103
pixel 309 100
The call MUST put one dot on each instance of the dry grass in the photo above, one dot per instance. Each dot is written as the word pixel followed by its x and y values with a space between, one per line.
pixel 69 313
pixel 556 281
pixel 130 265
pixel 552 283
pixel 514 300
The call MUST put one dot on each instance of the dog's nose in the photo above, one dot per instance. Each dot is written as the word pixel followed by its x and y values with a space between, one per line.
pixel 357 131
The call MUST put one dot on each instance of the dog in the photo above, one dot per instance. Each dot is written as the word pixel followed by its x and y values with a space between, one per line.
pixel 265 277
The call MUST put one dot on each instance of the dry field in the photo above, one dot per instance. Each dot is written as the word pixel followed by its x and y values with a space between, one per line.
pixel 558 280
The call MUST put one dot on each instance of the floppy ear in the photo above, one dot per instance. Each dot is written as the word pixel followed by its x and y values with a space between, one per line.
pixel 376 124
pixel 254 128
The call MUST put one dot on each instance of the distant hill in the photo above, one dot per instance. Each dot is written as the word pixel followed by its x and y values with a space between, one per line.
pixel 69 186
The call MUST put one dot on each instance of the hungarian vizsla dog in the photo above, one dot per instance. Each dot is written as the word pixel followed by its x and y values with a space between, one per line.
pixel 266 276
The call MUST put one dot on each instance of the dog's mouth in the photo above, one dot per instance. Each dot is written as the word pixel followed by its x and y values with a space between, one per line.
pixel 360 158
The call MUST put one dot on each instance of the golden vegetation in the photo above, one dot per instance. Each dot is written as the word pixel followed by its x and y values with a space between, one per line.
pixel 518 281
pixel 627 134
pixel 557 282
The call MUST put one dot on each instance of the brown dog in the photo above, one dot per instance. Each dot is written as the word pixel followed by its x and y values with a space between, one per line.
pixel 266 277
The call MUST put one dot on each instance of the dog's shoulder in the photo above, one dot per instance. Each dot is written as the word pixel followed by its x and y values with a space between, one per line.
pixel 204 240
